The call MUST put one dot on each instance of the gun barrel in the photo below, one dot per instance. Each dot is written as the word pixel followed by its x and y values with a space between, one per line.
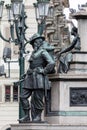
pixel 18 82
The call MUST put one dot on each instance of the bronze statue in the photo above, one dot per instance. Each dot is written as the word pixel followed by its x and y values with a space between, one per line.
pixel 36 80
pixel 67 57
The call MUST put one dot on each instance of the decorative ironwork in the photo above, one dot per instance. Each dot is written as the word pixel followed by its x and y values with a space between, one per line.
pixel 78 96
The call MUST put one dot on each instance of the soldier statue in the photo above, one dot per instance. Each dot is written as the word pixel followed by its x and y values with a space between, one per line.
pixel 36 80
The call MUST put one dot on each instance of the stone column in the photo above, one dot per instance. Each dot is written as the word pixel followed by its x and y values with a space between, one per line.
pixel 82 28
pixel 79 64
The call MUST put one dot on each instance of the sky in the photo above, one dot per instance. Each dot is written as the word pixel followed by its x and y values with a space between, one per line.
pixel 74 5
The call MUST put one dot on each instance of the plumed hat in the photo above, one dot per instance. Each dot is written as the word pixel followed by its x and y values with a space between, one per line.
pixel 34 37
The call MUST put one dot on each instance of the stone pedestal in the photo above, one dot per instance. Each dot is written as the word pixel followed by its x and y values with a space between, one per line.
pixel 46 127
pixel 67 100
pixel 79 63
pixel 81 17
pixel 67 103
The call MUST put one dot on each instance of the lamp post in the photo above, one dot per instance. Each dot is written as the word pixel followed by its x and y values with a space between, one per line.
pixel 16 18
pixel 41 11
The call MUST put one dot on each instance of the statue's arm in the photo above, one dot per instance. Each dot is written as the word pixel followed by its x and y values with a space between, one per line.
pixel 50 62
pixel 71 46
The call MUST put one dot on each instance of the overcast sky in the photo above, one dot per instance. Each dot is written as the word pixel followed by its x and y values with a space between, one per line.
pixel 74 3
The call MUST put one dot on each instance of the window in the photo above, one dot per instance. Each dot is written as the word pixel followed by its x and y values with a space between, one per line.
pixel 15 93
pixel 7 93
pixel 11 93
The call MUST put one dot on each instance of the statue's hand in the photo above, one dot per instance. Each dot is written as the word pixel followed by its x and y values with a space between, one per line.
pixel 40 70
pixel 29 71
pixel 23 76
pixel 15 84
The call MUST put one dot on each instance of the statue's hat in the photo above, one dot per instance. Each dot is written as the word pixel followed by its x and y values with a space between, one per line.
pixel 34 37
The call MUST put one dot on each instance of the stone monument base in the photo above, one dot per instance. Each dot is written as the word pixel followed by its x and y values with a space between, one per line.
pixel 67 100
pixel 38 126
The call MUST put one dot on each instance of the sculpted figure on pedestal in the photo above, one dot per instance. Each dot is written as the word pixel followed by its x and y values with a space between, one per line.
pixel 36 81
pixel 65 58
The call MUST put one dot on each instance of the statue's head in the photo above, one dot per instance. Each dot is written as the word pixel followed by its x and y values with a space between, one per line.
pixel 36 40
pixel 74 31
pixel 36 36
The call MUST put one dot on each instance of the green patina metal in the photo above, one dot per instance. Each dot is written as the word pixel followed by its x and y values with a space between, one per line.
pixel 16 0
pixel 40 1
pixel 72 113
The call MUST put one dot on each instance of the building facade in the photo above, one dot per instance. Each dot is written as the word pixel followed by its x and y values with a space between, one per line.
pixel 9 95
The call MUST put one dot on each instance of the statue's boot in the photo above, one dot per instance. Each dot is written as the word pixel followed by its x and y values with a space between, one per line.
pixel 37 118
pixel 26 118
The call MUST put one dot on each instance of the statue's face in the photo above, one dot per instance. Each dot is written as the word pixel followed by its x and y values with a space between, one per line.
pixel 37 43
pixel 73 31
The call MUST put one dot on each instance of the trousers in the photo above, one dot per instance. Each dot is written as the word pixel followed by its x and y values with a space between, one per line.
pixel 36 105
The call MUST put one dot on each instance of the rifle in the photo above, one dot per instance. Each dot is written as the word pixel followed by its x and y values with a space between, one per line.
pixel 19 81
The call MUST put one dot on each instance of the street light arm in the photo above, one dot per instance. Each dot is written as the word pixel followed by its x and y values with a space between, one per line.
pixel 25 38
pixel 26 43
pixel 41 26
pixel 1 36
pixel 17 30
pixel 12 34
pixel 25 27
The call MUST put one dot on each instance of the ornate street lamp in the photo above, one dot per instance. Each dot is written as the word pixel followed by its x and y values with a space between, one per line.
pixel 16 18
pixel 9 12
pixel 43 7
pixel 41 11
pixel 17 7
pixel 36 11
pixel 51 11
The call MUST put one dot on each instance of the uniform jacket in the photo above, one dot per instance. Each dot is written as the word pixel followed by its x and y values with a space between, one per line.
pixel 41 63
